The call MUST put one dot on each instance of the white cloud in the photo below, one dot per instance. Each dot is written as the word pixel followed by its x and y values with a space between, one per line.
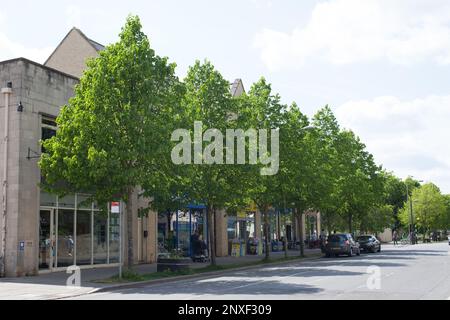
pixel 407 137
pixel 10 49
pixel 348 31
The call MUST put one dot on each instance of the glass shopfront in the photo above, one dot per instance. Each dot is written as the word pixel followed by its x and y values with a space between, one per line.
pixel 114 238
pixel 74 231
pixel 184 225
pixel 241 226
pixel 46 245
pixel 65 238
pixel 101 238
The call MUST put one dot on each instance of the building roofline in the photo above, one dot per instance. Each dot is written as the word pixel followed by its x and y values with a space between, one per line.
pixel 41 66
pixel 91 42
pixel 235 84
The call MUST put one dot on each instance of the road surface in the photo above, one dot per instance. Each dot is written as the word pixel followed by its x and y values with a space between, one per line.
pixel 402 272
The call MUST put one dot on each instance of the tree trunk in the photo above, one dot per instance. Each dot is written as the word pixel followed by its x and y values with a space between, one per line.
pixel 266 234
pixel 285 238
pixel 212 236
pixel 329 224
pixel 350 222
pixel 285 230
pixel 129 212
pixel 300 231
pixel 169 220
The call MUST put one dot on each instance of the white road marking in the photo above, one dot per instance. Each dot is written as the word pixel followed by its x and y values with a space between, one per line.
pixel 362 287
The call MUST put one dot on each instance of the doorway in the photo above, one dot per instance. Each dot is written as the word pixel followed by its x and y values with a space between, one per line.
pixel 47 241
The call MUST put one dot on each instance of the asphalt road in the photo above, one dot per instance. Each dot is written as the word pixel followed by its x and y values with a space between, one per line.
pixel 402 272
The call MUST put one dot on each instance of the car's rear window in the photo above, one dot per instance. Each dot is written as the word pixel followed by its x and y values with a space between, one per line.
pixel 337 238
pixel 364 238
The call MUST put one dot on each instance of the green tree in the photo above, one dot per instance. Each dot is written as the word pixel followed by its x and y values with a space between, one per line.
pixel 377 219
pixel 395 195
pixel 261 109
pixel 109 134
pixel 215 184
pixel 324 139
pixel 360 184
pixel 348 183
pixel 429 209
pixel 298 175
pixel 446 219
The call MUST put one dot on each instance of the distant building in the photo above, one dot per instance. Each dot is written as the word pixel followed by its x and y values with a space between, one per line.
pixel 71 54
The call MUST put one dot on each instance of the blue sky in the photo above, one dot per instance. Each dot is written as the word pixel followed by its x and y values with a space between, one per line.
pixel 383 65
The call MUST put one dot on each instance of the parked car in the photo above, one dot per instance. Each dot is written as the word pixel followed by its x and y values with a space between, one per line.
pixel 369 243
pixel 342 243
pixel 448 240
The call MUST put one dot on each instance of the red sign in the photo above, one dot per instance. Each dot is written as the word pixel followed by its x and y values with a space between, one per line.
pixel 115 207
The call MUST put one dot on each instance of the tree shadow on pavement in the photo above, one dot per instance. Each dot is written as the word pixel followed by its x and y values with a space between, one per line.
pixel 412 253
pixel 222 287
pixel 252 282
pixel 295 272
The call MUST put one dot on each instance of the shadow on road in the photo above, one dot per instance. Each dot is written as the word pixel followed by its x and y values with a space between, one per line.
pixel 252 282
pixel 221 287
pixel 294 272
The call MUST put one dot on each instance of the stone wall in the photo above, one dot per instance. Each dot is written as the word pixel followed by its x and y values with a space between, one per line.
pixel 42 91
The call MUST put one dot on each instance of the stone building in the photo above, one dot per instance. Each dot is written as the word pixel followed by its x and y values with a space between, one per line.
pixel 40 232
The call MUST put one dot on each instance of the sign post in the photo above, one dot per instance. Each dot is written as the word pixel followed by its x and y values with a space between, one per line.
pixel 116 208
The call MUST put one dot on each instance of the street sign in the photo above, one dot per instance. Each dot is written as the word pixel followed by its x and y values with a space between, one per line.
pixel 115 207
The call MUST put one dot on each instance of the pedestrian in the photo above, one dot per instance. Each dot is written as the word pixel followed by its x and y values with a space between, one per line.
pixel 70 245
pixel 322 240
pixel 395 237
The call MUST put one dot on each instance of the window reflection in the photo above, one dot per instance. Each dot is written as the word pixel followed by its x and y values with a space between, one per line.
pixel 100 237
pixel 114 238
pixel 83 241
pixel 66 241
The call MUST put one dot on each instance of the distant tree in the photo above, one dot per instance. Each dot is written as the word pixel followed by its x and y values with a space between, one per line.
pixel 446 218
pixel 377 219
pixel 429 209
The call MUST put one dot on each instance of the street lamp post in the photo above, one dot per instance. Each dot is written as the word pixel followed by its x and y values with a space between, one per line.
pixel 411 217
pixel 411 222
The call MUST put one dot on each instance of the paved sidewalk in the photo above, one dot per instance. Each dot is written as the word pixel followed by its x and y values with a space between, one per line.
pixel 53 285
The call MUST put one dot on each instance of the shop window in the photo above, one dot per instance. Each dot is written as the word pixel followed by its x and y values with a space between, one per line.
pixel 48 129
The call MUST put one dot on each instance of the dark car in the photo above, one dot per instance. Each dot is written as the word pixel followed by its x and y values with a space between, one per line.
pixel 342 243
pixel 369 243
